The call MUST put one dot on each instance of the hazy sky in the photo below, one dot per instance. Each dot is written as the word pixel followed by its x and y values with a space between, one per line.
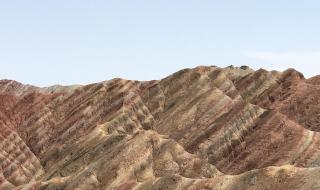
pixel 75 41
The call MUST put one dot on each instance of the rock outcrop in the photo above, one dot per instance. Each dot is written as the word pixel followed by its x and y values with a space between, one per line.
pixel 202 128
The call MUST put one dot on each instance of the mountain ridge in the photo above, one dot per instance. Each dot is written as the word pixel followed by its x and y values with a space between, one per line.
pixel 205 127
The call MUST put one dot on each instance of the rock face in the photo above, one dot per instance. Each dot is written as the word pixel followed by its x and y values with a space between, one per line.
pixel 202 128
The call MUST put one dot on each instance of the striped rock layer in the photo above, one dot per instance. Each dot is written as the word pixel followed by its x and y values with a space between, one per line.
pixel 202 128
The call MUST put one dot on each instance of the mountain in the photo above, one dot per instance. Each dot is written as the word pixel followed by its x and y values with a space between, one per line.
pixel 230 128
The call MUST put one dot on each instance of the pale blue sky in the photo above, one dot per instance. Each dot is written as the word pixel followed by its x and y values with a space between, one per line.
pixel 75 41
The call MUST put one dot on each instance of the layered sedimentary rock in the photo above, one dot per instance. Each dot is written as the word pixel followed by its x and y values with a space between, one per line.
pixel 201 128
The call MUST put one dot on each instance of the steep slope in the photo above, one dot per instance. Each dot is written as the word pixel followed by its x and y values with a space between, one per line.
pixel 201 128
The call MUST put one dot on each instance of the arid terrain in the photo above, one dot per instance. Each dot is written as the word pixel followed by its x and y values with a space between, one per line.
pixel 214 128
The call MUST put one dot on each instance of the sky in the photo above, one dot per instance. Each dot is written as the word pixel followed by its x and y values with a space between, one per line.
pixel 46 42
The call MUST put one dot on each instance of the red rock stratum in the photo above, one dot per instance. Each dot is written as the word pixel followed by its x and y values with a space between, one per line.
pixel 202 128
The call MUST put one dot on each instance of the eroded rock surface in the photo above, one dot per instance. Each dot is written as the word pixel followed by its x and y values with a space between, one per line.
pixel 202 128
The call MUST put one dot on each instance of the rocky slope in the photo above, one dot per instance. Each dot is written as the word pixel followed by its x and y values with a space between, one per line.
pixel 202 128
